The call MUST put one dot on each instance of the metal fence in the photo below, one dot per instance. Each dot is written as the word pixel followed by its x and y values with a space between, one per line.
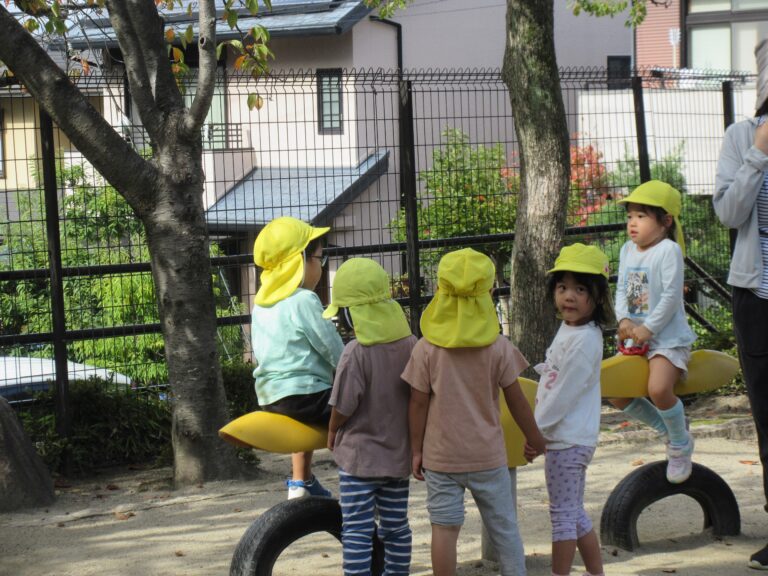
pixel 402 166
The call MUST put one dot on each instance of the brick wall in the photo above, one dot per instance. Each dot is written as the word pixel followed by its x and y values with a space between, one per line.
pixel 652 47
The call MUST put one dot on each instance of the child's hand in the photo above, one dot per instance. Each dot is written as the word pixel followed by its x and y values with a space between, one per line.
pixel 641 335
pixel 537 444
pixel 331 440
pixel 418 471
pixel 626 326
pixel 529 452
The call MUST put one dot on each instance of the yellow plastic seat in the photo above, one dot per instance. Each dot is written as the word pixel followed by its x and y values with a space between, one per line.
pixel 274 433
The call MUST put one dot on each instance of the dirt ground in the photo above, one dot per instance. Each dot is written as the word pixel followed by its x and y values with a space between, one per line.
pixel 130 523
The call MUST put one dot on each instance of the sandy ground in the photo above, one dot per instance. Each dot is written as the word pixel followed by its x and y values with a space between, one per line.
pixel 129 522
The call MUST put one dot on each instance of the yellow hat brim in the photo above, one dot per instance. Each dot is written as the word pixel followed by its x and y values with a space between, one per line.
pixel 577 267
pixel 331 311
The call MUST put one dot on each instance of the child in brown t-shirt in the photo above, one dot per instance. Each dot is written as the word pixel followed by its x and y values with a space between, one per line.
pixel 456 372
pixel 368 431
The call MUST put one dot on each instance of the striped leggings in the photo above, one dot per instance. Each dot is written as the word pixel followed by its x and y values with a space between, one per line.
pixel 359 499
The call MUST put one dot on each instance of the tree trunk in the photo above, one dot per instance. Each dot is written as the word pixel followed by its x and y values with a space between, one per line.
pixel 24 479
pixel 166 193
pixel 178 243
pixel 530 72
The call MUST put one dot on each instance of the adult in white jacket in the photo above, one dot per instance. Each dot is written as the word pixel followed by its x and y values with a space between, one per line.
pixel 741 202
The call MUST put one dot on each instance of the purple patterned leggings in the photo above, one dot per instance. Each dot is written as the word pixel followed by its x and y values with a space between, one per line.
pixel 566 473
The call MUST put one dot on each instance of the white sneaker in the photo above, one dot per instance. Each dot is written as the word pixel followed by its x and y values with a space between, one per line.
pixel 296 489
pixel 679 465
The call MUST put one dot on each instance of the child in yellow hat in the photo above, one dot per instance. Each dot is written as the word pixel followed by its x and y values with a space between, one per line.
pixel 456 373
pixel 568 400
pixel 650 311
pixel 368 432
pixel 296 350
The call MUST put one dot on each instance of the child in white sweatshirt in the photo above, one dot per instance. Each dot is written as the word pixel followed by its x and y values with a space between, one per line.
pixel 568 400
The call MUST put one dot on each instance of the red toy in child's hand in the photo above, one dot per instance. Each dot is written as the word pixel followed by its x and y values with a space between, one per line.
pixel 632 350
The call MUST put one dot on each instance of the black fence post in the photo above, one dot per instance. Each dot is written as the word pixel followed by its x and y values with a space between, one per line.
pixel 642 133
pixel 409 201
pixel 63 424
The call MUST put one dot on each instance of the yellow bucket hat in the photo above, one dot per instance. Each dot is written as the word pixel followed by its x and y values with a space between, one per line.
pixel 663 195
pixel 279 250
pixel 461 313
pixel 362 285
pixel 579 257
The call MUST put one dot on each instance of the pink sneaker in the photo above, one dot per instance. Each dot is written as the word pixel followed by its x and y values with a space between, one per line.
pixel 679 465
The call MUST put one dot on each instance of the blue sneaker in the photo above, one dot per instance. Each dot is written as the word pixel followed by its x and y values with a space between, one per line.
pixel 302 489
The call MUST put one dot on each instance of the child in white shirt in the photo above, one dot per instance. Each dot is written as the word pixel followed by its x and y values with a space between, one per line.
pixel 650 311
pixel 568 400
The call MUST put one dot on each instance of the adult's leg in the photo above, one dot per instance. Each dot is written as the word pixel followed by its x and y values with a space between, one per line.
pixel 492 492
pixel 392 503
pixel 750 317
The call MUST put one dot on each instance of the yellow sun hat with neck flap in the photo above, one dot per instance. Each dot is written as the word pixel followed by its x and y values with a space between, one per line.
pixel 581 258
pixel 662 195
pixel 462 313
pixel 279 251
pixel 362 286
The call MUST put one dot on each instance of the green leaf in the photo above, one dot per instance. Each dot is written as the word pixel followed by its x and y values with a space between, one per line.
pixel 189 34
pixel 219 48
pixel 232 18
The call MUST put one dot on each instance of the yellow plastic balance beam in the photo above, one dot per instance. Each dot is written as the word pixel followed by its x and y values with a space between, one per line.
pixel 284 435
pixel 627 376
pixel 621 377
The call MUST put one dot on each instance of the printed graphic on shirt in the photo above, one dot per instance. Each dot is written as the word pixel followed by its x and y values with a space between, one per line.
pixel 637 291
pixel 548 375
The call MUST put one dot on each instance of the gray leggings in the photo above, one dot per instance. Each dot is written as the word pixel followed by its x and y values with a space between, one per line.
pixel 566 474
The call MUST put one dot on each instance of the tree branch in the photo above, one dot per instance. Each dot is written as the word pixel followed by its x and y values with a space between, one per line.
pixel 149 31
pixel 93 136
pixel 139 77
pixel 206 79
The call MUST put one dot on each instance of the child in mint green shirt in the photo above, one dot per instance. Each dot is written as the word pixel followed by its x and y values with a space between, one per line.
pixel 295 348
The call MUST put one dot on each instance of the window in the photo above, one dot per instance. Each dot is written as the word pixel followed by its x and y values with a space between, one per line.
pixel 619 71
pixel 329 102
pixel 218 134
pixel 709 48
pixel 722 34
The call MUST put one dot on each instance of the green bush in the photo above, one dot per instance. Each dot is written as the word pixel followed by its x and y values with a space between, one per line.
pixel 109 427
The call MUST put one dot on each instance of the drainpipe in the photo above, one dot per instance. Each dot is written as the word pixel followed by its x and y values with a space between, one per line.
pixel 399 28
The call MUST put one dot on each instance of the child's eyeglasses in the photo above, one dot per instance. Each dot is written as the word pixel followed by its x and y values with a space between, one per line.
pixel 323 259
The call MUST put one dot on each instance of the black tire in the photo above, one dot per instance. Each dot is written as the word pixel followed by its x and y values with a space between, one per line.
pixel 648 484
pixel 272 532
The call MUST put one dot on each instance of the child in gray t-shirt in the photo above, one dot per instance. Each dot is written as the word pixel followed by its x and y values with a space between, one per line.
pixel 368 431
